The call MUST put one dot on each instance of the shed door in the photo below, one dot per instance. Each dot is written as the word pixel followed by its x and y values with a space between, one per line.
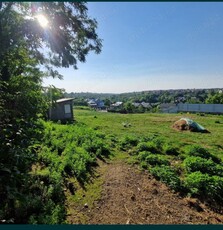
pixel 67 109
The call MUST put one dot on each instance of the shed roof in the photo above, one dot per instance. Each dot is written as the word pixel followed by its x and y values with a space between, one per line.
pixel 64 99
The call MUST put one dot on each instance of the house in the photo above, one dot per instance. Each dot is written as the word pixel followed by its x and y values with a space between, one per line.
pixel 143 104
pixel 117 104
pixel 146 105
pixel 92 103
pixel 62 110
pixel 116 107
pixel 136 104
pixel 96 104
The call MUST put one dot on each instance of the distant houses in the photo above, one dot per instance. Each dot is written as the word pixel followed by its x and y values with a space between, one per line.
pixel 117 104
pixel 96 104
pixel 143 104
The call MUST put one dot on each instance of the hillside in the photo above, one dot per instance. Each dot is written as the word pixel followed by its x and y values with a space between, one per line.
pixel 152 96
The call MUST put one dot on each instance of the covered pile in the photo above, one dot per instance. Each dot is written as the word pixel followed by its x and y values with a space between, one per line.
pixel 188 124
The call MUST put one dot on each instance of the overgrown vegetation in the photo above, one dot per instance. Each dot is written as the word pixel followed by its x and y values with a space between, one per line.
pixel 172 157
pixel 22 103
pixel 193 170
pixel 66 152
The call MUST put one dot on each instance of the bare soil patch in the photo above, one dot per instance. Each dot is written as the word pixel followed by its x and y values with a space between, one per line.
pixel 132 196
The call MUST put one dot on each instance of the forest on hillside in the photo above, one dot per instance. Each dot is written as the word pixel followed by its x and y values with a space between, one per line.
pixel 214 96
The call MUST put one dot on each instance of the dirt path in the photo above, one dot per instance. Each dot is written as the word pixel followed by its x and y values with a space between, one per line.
pixel 130 196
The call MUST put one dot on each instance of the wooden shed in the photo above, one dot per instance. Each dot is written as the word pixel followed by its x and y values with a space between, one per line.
pixel 62 110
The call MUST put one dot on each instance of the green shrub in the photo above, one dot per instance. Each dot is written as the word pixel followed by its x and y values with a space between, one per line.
pixel 170 150
pixel 147 158
pixel 147 146
pixel 66 151
pixel 193 164
pixel 204 185
pixel 196 150
pixel 128 142
pixel 144 165
pixel 159 142
pixel 142 155
pixel 96 146
pixel 167 175
pixel 156 160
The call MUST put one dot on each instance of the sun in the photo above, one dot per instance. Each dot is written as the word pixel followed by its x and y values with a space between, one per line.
pixel 42 20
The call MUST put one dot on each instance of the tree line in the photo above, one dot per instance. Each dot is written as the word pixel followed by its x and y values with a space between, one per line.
pixel 193 96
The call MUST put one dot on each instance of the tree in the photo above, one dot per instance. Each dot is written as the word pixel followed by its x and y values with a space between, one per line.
pixel 216 98
pixel 53 93
pixel 128 107
pixel 107 102
pixel 68 38
pixel 25 46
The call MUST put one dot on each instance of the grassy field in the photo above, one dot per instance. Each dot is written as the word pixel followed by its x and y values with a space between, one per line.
pixel 148 124
pixel 188 162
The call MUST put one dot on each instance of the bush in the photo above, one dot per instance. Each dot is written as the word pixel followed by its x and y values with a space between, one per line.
pixel 156 160
pixel 66 151
pixel 196 182
pixel 170 150
pixel 167 175
pixel 198 151
pixel 193 164
pixel 142 155
pixel 128 142
pixel 96 147
pixel 204 185
pixel 147 146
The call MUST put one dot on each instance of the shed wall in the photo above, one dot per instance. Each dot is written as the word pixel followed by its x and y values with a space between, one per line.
pixel 58 113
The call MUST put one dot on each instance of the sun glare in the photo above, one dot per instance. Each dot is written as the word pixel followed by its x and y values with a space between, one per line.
pixel 42 20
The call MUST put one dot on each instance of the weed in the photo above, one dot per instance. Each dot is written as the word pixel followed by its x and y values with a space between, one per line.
pixel 67 151
pixel 193 164
pixel 170 150
pixel 156 160
pixel 205 185
pixel 147 146
pixel 167 175
pixel 128 141
pixel 142 155
pixel 196 150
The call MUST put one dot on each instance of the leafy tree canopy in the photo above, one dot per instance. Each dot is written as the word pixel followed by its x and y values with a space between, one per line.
pixel 28 52
pixel 69 36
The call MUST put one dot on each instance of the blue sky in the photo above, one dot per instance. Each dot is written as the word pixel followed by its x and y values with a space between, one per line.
pixel 149 46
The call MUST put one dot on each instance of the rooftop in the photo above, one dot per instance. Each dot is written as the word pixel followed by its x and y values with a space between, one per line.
pixel 64 99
